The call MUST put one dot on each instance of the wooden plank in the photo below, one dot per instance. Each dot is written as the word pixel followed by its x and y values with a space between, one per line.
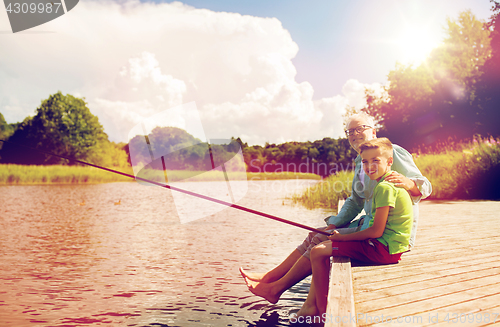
pixel 423 268
pixel 458 273
pixel 432 290
pixel 478 312
pixel 420 309
pixel 453 269
pixel 340 310
pixel 445 316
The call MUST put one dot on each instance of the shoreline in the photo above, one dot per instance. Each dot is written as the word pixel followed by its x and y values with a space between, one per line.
pixel 59 175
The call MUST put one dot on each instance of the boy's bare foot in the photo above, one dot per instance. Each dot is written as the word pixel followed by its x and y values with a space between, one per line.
pixel 257 277
pixel 264 290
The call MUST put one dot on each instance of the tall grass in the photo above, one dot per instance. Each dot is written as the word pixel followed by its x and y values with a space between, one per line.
pixel 467 171
pixel 328 192
pixel 59 174
pixel 281 175
pixel 56 174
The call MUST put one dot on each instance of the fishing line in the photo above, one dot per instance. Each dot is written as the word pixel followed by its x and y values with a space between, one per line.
pixel 228 204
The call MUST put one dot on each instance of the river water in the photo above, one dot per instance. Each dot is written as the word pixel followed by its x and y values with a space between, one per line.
pixel 116 254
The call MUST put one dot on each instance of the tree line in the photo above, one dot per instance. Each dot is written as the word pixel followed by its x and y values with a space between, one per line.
pixel 322 157
pixel 64 125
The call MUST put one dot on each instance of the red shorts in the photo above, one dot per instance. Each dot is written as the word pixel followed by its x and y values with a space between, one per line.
pixel 369 251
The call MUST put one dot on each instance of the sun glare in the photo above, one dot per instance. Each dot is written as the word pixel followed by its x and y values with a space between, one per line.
pixel 416 44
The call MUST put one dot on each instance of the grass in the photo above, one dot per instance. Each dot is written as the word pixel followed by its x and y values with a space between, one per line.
pixel 281 175
pixel 468 171
pixel 59 174
pixel 327 193
pixel 463 170
pixel 56 174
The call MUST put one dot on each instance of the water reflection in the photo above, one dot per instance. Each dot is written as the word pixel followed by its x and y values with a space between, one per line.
pixel 70 256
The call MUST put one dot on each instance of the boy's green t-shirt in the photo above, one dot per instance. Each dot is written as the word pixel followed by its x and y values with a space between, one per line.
pixel 400 220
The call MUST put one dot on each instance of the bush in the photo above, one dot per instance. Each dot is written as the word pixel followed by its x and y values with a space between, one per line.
pixel 472 173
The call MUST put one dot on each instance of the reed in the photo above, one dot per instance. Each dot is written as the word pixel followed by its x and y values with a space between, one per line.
pixel 60 174
pixel 56 174
pixel 281 175
pixel 327 193
pixel 469 170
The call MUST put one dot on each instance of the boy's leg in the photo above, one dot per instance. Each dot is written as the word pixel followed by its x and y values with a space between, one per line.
pixel 309 307
pixel 275 274
pixel 320 262
pixel 304 249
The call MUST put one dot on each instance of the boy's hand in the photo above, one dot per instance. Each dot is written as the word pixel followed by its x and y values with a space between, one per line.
pixel 335 236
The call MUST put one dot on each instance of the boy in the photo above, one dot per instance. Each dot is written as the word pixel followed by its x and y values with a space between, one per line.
pixel 383 241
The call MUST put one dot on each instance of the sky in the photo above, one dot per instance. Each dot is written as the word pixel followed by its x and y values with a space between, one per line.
pixel 264 71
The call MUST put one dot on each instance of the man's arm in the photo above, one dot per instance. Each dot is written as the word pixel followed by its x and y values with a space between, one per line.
pixel 409 175
pixel 374 231
pixel 351 208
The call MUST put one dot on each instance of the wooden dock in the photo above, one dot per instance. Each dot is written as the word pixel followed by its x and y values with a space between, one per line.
pixel 450 278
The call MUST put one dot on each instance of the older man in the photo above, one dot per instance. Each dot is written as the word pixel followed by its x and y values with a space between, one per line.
pixel 297 266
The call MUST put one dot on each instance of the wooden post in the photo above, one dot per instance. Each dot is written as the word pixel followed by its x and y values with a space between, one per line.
pixel 340 309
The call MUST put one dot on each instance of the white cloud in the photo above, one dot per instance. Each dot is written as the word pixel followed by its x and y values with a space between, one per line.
pixel 332 124
pixel 131 60
pixel 118 117
pixel 139 91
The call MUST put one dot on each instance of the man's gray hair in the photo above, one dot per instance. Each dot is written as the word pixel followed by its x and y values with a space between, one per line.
pixel 367 118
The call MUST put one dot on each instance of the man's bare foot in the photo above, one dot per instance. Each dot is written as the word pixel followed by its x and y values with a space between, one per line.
pixel 257 277
pixel 264 290
pixel 307 310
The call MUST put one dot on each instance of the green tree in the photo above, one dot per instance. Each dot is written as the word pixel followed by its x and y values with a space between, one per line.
pixel 181 150
pixel 63 125
pixel 435 100
pixel 6 130
pixel 488 89
pixel 109 154
pixel 463 52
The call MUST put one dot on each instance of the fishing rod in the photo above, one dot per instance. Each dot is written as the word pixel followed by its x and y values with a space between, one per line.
pixel 228 204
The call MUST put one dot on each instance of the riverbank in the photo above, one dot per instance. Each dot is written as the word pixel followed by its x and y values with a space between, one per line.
pixel 59 174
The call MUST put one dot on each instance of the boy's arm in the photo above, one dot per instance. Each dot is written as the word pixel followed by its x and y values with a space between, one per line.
pixel 374 231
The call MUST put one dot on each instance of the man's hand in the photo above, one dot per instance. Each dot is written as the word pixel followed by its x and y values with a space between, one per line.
pixel 330 227
pixel 404 182
pixel 400 180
